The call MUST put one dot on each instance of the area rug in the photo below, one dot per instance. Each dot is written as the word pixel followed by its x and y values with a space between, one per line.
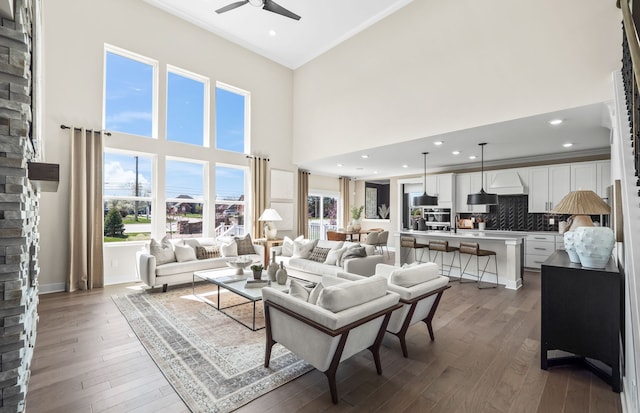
pixel 213 362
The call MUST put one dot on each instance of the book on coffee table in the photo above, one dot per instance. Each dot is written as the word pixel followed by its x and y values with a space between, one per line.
pixel 257 283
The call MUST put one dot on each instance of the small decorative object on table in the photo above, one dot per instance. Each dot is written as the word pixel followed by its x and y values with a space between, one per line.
pixel 257 271
pixel 356 214
pixel 257 283
pixel 273 267
pixel 281 275
pixel 594 246
pixel 481 224
pixel 240 264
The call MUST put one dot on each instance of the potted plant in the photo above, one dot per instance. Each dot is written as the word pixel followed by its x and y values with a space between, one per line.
pixel 356 214
pixel 257 271
pixel 481 223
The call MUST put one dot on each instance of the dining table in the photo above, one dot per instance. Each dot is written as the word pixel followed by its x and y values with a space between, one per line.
pixel 353 234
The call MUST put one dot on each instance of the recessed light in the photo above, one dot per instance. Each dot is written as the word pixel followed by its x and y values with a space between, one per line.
pixel 567 145
pixel 555 122
pixel 405 166
pixel 340 165
pixel 456 152
pixel 438 143
pixel 472 157
pixel 272 33
pixel 365 156
pixel 375 172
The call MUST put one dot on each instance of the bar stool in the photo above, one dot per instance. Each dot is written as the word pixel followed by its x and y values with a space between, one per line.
pixel 473 248
pixel 410 242
pixel 442 247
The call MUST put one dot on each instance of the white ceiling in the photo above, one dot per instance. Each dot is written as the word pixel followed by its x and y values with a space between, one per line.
pixel 323 24
pixel 326 23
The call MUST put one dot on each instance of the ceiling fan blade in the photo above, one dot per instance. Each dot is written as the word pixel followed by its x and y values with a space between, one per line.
pixel 232 6
pixel 273 7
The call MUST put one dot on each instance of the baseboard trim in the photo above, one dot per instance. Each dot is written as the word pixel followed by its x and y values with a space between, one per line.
pixel 51 288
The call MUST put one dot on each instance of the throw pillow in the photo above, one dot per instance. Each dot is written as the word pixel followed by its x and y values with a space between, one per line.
pixel 229 250
pixel 333 257
pixel 350 294
pixel 303 248
pixel 413 275
pixel 207 251
pixel 245 246
pixel 319 254
pixel 370 249
pixel 315 293
pixel 287 245
pixel 353 252
pixel 325 281
pixel 297 290
pixel 163 251
pixel 192 242
pixel 185 253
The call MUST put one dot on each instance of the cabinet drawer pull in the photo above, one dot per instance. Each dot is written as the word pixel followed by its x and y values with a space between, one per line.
pixel 539 262
pixel 538 248
pixel 539 238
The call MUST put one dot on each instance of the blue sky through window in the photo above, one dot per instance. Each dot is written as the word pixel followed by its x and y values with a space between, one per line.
pixel 185 109
pixel 128 96
pixel 229 183
pixel 120 175
pixel 184 178
pixel 229 121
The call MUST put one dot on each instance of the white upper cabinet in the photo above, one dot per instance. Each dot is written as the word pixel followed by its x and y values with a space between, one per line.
pixel 468 184
pixel 603 178
pixel 445 190
pixel 584 176
pixel 547 186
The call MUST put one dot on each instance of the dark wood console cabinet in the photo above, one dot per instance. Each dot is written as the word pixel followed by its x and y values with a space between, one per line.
pixel 581 315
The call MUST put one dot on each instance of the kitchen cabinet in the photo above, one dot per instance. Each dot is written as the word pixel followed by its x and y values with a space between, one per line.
pixel 584 176
pixel 603 178
pixel 466 184
pixel 442 186
pixel 547 186
pixel 538 247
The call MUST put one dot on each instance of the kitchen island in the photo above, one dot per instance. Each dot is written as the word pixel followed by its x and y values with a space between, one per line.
pixel 509 248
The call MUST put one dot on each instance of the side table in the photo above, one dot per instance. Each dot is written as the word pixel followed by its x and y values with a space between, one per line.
pixel 581 315
pixel 267 244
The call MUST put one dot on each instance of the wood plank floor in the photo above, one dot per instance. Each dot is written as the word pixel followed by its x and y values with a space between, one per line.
pixel 486 358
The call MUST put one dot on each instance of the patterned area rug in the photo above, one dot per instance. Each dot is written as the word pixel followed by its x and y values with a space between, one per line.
pixel 214 363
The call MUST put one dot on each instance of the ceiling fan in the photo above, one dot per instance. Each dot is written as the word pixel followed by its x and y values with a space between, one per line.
pixel 267 5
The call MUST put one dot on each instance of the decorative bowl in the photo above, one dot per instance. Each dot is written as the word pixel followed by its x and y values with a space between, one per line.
pixel 240 264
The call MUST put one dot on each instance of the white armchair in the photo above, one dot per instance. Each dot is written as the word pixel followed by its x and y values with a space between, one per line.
pixel 420 289
pixel 348 318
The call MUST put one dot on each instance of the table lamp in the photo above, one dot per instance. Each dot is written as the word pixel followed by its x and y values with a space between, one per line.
pixel 581 204
pixel 269 216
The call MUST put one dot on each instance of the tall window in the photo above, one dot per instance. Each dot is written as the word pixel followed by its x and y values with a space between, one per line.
pixel 129 94
pixel 127 194
pixel 230 200
pixel 186 107
pixel 322 214
pixel 231 119
pixel 184 198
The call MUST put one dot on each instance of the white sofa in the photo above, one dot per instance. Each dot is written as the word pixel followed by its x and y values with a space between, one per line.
pixel 181 272
pixel 308 269
pixel 338 322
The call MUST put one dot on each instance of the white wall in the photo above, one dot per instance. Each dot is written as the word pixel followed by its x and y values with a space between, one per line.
pixel 437 66
pixel 75 32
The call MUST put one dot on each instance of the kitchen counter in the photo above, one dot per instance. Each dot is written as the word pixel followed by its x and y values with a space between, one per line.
pixel 508 245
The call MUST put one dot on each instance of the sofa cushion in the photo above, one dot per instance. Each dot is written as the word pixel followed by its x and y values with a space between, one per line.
pixel 287 245
pixel 354 251
pixel 303 248
pixel 163 251
pixel 334 245
pixel 207 251
pixel 413 275
pixel 345 295
pixel 184 253
pixel 245 245
pixel 319 254
pixel 200 241
pixel 334 256
pixel 298 290
pixel 190 266
pixel 313 267
pixel 229 250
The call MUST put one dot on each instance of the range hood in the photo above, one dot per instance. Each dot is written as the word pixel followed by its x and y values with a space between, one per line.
pixel 507 183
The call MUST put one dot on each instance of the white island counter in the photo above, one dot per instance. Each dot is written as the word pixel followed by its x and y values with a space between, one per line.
pixel 509 248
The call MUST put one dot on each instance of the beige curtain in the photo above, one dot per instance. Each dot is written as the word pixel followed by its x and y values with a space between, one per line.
pixel 344 199
pixel 259 187
pixel 86 270
pixel 303 199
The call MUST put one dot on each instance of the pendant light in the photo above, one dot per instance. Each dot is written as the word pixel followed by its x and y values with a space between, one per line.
pixel 482 198
pixel 424 199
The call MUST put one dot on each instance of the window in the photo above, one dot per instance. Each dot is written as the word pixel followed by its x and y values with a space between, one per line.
pixel 184 198
pixel 230 200
pixel 231 119
pixel 186 107
pixel 129 101
pixel 322 215
pixel 127 192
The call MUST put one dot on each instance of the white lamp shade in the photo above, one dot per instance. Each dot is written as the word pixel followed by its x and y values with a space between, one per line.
pixel 270 214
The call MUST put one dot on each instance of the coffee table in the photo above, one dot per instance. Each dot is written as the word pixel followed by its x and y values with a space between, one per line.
pixel 229 280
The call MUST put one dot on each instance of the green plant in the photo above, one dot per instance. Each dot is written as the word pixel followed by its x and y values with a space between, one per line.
pixel 113 226
pixel 356 212
pixel 257 267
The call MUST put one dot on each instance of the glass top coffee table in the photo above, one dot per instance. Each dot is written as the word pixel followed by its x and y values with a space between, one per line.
pixel 236 283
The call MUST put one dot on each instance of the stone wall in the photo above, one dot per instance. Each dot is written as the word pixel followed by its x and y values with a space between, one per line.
pixel 18 210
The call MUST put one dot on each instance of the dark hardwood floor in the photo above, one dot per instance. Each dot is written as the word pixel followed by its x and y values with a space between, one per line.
pixel 486 358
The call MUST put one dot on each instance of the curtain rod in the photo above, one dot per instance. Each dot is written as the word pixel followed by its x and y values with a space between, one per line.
pixel 258 157
pixel 69 127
